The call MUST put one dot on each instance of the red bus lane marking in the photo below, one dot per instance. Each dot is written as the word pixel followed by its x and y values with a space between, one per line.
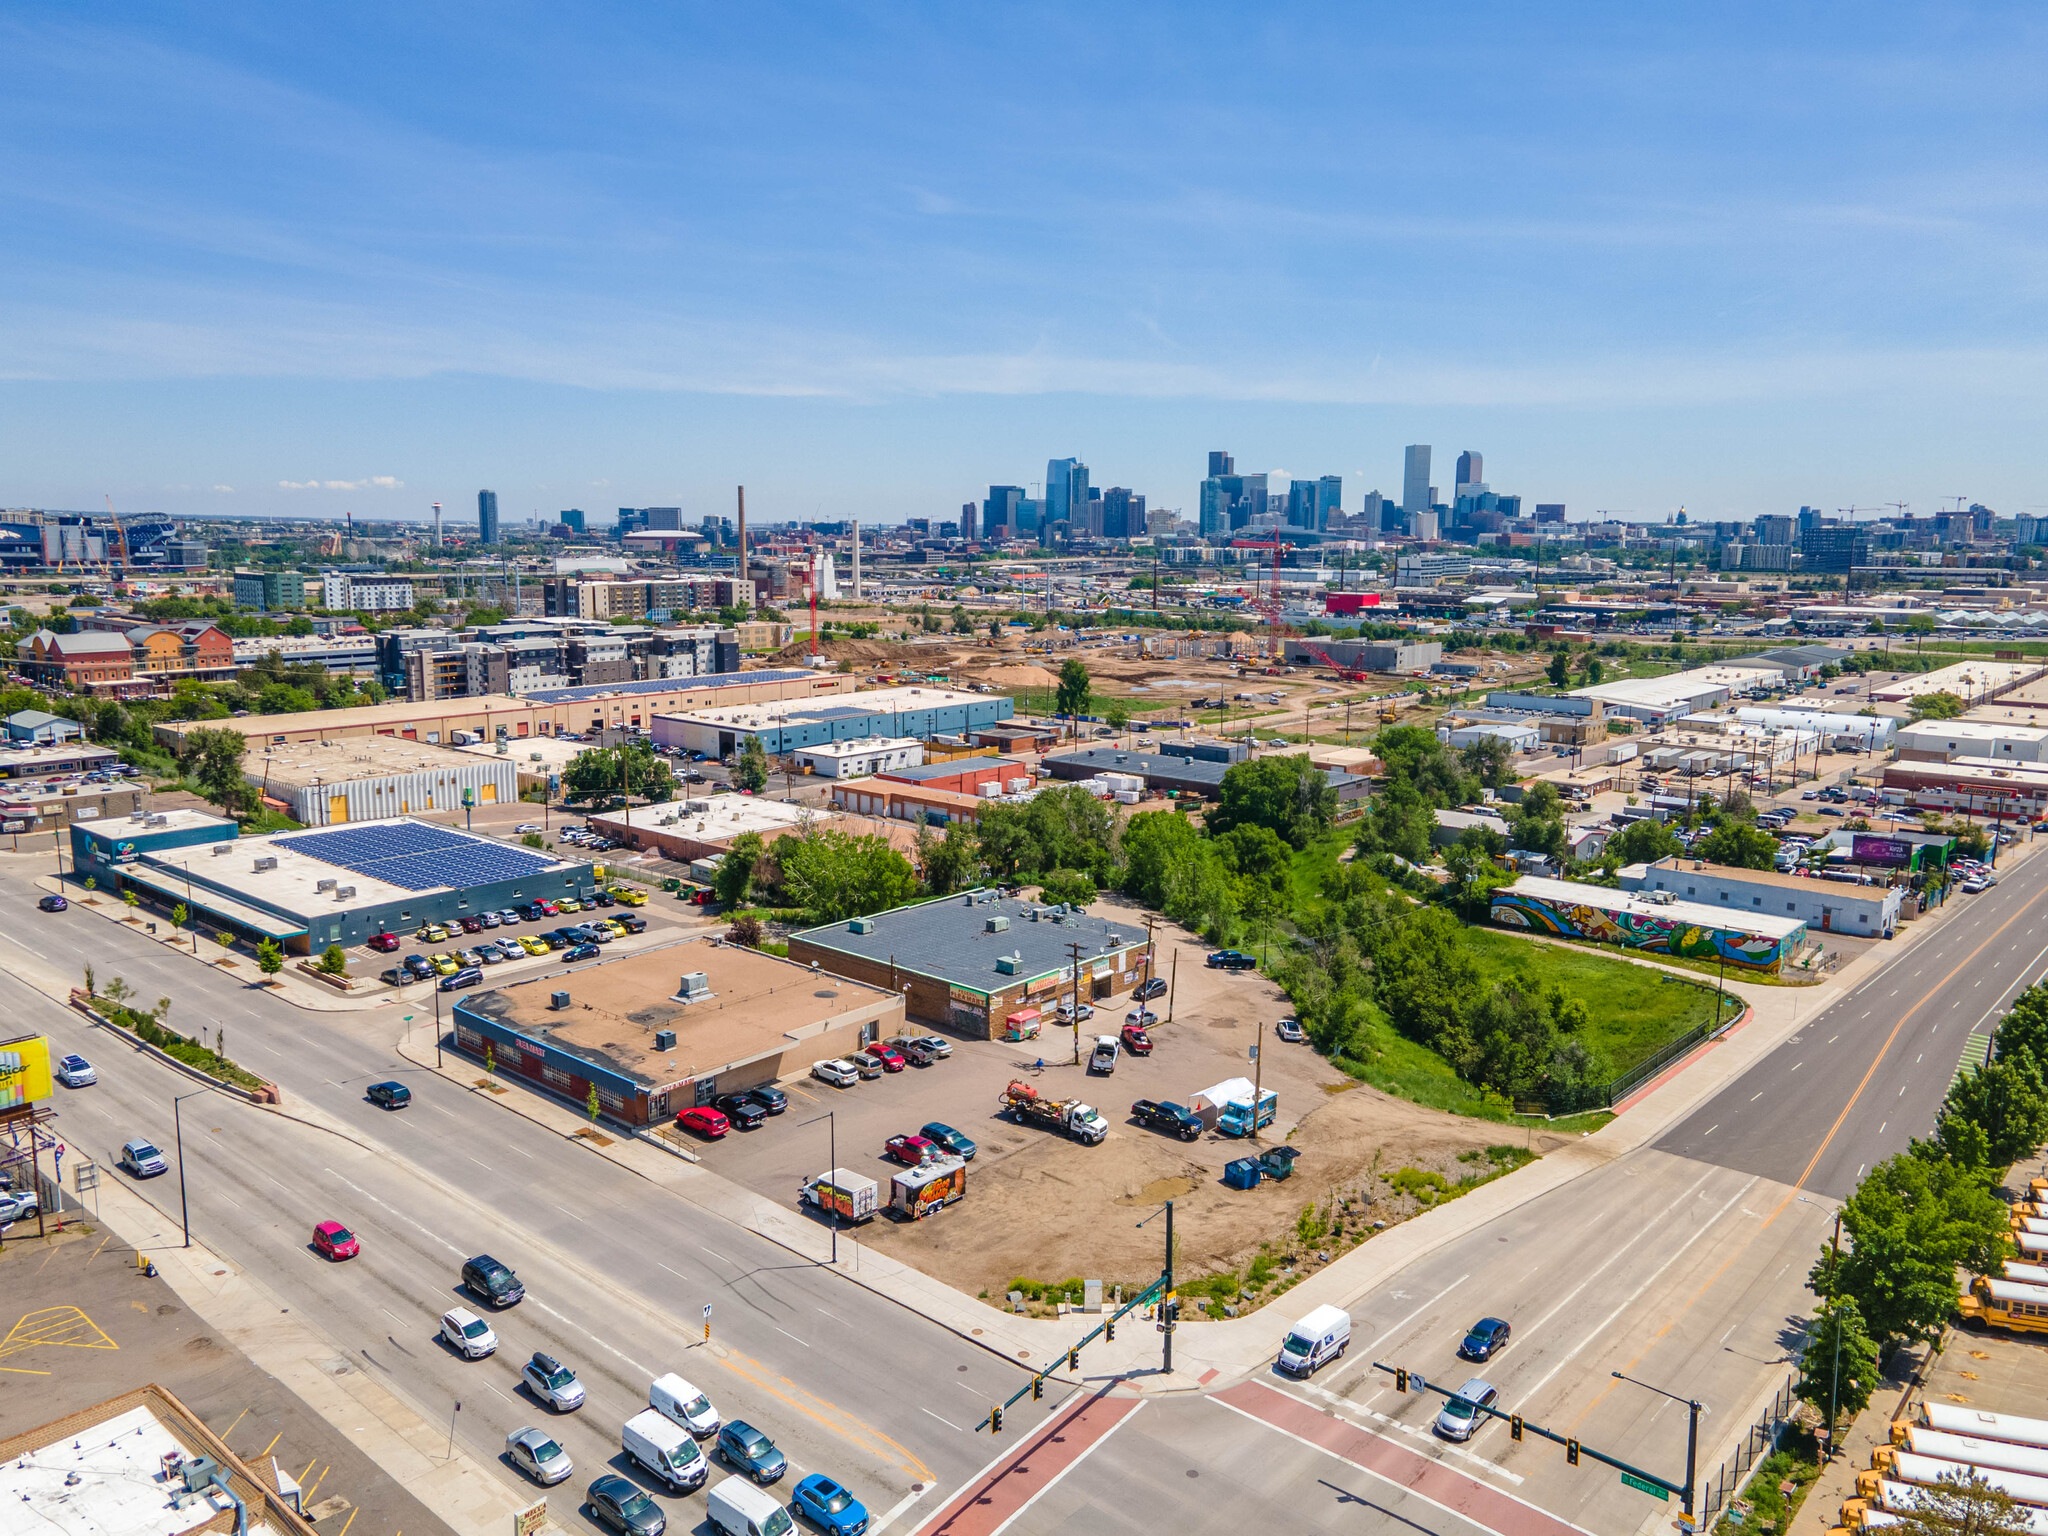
pixel 999 1493
pixel 1423 1476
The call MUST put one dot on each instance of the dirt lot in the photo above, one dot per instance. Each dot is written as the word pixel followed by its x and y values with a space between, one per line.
pixel 1046 1208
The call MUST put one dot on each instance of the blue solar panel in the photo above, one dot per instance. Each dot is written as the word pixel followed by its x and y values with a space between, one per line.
pixel 417 857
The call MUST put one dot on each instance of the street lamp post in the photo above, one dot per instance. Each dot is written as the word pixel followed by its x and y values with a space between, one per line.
pixel 1834 1283
pixel 1692 1436
pixel 178 1128
pixel 832 1143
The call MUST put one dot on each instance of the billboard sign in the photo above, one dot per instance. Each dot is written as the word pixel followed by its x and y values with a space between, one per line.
pixel 24 1072
pixel 1893 851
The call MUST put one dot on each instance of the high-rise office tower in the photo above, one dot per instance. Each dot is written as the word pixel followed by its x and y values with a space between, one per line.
pixel 1415 493
pixel 1221 464
pixel 1471 469
pixel 1066 496
pixel 487 517
pixel 571 517
pixel 1214 518
pixel 999 512
pixel 967 521
pixel 1123 513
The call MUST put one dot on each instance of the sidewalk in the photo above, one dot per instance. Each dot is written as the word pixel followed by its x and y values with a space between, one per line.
pixel 1822 1511
pixel 254 1319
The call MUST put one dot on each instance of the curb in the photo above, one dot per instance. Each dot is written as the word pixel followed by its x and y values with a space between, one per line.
pixel 269 1094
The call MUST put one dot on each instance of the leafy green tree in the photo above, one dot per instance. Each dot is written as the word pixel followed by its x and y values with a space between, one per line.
pixel 1739 845
pixel 1941 705
pixel 1426 978
pixel 1255 853
pixel 1644 842
pixel 1288 796
pixel 1066 885
pixel 1398 820
pixel 1488 759
pixel 1538 823
pixel 751 770
pixel 735 874
pixel 1171 866
pixel 602 773
pixel 1117 712
pixel 269 958
pixel 834 875
pixel 334 961
pixel 1914 1220
pixel 1839 1363
pixel 1065 828
pixel 1964 1506
pixel 1559 660
pixel 2024 1029
pixel 1072 695
pixel 951 862
pixel 212 758
pixel 1414 756
pixel 2006 1101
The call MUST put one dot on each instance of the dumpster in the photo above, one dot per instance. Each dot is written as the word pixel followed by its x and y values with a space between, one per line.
pixel 1241 1173
pixel 1278 1162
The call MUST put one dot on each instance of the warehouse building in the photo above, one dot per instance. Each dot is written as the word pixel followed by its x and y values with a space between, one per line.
pixel 661 1031
pixel 1409 656
pixel 1825 906
pixel 1974 682
pixel 791 723
pixel 1660 700
pixel 307 890
pixel 1980 788
pixel 1943 741
pixel 19 761
pixel 962 775
pixel 912 803
pixel 700 828
pixel 861 756
pixel 27 807
pixel 1166 771
pixel 1655 922
pixel 371 778
pixel 967 962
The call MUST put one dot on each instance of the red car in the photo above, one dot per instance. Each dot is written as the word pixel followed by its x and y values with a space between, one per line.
pixel 472 925
pixel 1135 1040
pixel 911 1151
pixel 890 1058
pixel 549 907
pixel 384 943
pixel 334 1241
pixel 708 1123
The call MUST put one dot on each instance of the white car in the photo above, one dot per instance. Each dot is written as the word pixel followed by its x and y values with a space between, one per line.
pixel 469 1335
pixel 18 1205
pixel 527 826
pixel 76 1072
pixel 938 1045
pixel 534 1452
pixel 840 1074
pixel 553 1383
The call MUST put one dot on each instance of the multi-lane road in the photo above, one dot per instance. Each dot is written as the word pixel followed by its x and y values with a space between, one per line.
pixel 1680 1263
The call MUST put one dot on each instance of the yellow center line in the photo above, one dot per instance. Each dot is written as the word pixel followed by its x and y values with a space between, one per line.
pixel 836 1419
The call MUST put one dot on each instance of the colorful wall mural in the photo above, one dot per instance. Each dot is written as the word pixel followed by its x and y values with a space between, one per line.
pixel 1658 934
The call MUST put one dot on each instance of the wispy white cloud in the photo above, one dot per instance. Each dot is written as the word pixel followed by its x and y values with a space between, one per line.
pixel 372 482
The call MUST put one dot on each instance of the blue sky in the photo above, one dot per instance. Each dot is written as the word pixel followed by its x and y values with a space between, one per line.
pixel 869 259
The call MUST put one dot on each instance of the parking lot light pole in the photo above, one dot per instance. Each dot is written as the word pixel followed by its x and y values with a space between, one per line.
pixel 178 1129
pixel 1692 1436
pixel 832 1144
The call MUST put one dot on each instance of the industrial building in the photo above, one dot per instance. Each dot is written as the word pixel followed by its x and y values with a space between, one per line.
pixel 1942 741
pixel 1655 922
pixel 28 807
pixel 1825 906
pixel 661 1031
pixel 913 803
pixel 788 724
pixel 962 775
pixel 861 756
pixel 21 761
pixel 704 828
pixel 1518 736
pixel 1980 788
pixel 1165 770
pixel 1659 700
pixel 1974 682
pixel 307 890
pixel 966 962
pixel 1408 656
pixel 571 711
pixel 376 777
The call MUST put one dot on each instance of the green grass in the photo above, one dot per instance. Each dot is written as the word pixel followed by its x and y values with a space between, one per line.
pixel 1634 1011
pixel 1414 1072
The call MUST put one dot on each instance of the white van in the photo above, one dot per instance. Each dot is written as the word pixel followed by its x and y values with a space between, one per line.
pixel 738 1508
pixel 664 1448
pixel 674 1398
pixel 1315 1341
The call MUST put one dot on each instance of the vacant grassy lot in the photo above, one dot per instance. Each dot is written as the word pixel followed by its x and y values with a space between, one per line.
pixel 1635 1009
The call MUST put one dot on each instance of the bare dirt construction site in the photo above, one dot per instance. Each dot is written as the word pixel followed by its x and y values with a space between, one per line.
pixel 1049 1210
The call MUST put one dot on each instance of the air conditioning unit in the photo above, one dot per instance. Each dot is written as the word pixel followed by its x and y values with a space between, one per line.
pixel 695 984
pixel 861 925
pixel 558 1000
pixel 344 893
pixel 263 864
pixel 664 1039
pixel 323 885
pixel 221 848
pixel 997 924
pixel 1009 965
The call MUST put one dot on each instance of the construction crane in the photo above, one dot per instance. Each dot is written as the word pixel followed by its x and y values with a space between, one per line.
pixel 1269 605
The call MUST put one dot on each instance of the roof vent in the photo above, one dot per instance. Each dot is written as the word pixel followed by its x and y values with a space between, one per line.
pixel 263 864
pixel 997 924
pixel 558 1000
pixel 861 925
pixel 344 892
pixel 220 848
pixel 323 885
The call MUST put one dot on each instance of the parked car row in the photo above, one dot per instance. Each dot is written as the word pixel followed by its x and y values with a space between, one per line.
pixel 748 1110
pixel 462 967
pixel 881 1057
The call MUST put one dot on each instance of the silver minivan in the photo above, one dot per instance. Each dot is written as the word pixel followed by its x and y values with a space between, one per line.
pixel 1461 1417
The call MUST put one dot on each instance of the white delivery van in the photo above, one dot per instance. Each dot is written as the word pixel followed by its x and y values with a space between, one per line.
pixel 1315 1341
pixel 664 1448
pixel 738 1508
pixel 676 1399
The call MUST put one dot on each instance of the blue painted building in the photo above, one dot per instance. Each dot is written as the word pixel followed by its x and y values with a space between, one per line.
pixel 785 725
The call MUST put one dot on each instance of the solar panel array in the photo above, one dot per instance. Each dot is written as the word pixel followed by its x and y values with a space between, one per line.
pixel 417 857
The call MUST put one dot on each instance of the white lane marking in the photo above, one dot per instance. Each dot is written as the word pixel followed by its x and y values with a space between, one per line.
pixel 569 1213
pixel 1437 1448
pixel 834 1316
pixel 902 1504
pixel 1439 1296
pixel 521 1151
pixel 788 1335
pixel 1642 1232
pixel 10 938
pixel 1384 1478
pixel 676 1272
pixel 947 1422
pixel 1797 1065
pixel 1053 1481
pixel 1754 1097
pixel 1713 1128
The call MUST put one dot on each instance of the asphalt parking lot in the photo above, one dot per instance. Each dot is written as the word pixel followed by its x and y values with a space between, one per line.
pixel 1216 1019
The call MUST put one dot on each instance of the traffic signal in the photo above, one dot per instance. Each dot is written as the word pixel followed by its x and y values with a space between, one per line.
pixel 1571 1452
pixel 1109 1330
pixel 1074 1358
pixel 1037 1388
pixel 1514 1426
pixel 995 1424
pixel 1400 1378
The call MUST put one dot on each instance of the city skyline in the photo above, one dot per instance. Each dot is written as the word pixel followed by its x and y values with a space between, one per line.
pixel 325 264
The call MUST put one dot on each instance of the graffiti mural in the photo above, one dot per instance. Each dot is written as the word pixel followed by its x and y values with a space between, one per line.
pixel 1635 930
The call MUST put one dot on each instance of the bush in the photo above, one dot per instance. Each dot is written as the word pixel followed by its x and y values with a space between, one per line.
pixel 334 962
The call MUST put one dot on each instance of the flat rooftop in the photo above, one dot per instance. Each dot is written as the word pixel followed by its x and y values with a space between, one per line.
pixel 1967 679
pixel 664 685
pixel 1732 875
pixel 713 818
pixel 1677 688
pixel 530 754
pixel 1148 764
pixel 780 713
pixel 26 760
pixel 860 744
pixel 757 1004
pixel 296 764
pixel 949 939
pixel 1698 914
pixel 952 768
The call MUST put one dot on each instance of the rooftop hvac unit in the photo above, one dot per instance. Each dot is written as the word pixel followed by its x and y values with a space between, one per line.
pixel 344 892
pixel 558 1000
pixel 695 984
pixel 664 1039
pixel 997 924
pixel 323 885
pixel 220 848
pixel 1009 965
pixel 263 864
pixel 861 925
pixel 158 821
pixel 1032 914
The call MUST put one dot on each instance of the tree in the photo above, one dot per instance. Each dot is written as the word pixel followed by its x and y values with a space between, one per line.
pixel 1940 705
pixel 212 758
pixel 1490 759
pixel 1644 842
pixel 602 773
pixel 1964 1506
pixel 952 862
pixel 735 874
pixel 1065 885
pixel 1538 824
pixel 1289 796
pixel 1559 660
pixel 269 958
pixel 334 961
pixel 1257 854
pixel 751 771
pixel 1736 844
pixel 1426 977
pixel 2007 1102
pixel 2024 1029
pixel 1117 712
pixel 1072 695
pixel 1171 866
pixel 745 929
pixel 1839 1364
pixel 834 875
pixel 1398 821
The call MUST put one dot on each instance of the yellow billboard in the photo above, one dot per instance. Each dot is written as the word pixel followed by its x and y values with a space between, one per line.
pixel 24 1072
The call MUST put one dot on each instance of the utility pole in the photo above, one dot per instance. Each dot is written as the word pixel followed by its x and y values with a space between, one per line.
pixel 1258 1075
pixel 1074 959
pixel 1173 986
pixel 1151 919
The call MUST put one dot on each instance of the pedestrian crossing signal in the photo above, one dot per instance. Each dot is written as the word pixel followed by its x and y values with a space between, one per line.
pixel 1515 1426
pixel 1571 1452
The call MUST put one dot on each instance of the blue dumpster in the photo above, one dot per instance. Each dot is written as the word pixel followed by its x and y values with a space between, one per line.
pixel 1241 1173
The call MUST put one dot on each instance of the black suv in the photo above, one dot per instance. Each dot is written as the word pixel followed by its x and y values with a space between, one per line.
pixel 491 1282
pixel 1170 1118
pixel 390 1095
